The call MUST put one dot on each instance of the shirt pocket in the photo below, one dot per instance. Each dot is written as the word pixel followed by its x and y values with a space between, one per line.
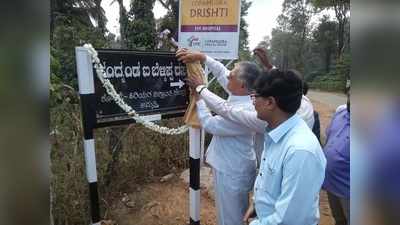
pixel 268 176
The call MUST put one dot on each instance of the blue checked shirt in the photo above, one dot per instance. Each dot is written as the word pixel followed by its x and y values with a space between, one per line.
pixel 291 174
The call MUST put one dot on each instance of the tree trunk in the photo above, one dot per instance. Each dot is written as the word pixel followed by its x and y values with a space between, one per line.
pixel 285 61
pixel 341 9
pixel 100 18
pixel 328 53
pixel 300 63
pixel 123 23
pixel 340 39
pixel 175 11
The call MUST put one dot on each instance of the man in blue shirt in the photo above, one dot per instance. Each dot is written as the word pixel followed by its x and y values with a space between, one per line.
pixel 337 151
pixel 292 167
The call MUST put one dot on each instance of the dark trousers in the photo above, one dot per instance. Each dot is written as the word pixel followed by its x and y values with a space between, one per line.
pixel 340 208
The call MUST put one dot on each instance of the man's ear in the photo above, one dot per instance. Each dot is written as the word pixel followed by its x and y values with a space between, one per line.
pixel 271 103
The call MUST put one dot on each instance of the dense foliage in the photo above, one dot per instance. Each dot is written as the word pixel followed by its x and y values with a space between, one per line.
pixel 319 50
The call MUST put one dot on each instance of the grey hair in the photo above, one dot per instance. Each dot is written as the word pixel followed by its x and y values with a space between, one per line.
pixel 248 74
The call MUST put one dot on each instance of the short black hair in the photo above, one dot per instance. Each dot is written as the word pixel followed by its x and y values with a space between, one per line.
pixel 285 86
pixel 305 88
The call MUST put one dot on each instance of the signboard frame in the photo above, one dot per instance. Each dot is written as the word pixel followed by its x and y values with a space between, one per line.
pixel 88 105
pixel 197 33
pixel 122 118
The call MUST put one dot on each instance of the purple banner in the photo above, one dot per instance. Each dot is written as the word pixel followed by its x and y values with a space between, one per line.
pixel 209 28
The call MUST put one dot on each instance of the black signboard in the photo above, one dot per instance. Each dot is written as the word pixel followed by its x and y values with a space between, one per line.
pixel 150 82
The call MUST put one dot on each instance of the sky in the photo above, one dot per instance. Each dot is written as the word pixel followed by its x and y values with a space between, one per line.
pixel 261 17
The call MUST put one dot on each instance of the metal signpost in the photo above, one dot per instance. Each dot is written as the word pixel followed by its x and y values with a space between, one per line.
pixel 150 82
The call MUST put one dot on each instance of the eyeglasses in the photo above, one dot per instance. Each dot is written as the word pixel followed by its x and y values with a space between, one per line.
pixel 254 96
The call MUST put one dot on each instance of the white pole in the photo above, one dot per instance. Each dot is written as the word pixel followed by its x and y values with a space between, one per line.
pixel 194 164
pixel 88 104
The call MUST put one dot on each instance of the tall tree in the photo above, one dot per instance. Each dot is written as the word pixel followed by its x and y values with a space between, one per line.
pixel 281 44
pixel 71 25
pixel 173 11
pixel 326 39
pixel 81 11
pixel 289 40
pixel 123 23
pixel 244 52
pixel 141 30
pixel 137 27
pixel 171 19
pixel 100 16
pixel 341 8
pixel 295 19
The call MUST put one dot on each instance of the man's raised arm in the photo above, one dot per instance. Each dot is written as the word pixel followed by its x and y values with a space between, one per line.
pixel 217 68
pixel 217 125
pixel 247 118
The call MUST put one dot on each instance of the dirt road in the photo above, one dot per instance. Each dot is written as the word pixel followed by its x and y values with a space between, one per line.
pixel 333 100
pixel 325 103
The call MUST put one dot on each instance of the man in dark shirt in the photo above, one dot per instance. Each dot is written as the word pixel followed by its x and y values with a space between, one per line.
pixel 316 129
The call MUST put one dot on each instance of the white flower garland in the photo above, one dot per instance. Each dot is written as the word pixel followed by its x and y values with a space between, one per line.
pixel 121 103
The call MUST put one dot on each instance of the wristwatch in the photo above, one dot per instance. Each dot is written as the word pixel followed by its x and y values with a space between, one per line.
pixel 200 88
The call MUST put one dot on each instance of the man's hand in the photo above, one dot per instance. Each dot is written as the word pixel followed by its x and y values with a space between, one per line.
pixel 195 94
pixel 194 81
pixel 187 56
pixel 249 216
pixel 261 53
